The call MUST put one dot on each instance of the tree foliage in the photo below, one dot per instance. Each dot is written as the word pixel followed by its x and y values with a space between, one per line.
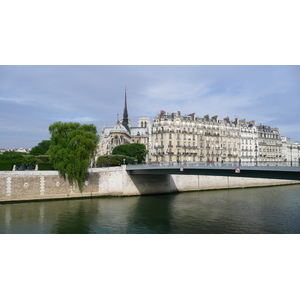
pixel 72 148
pixel 11 157
pixel 41 148
pixel 135 150
pixel 113 160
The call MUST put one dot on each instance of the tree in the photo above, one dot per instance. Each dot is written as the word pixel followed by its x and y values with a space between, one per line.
pixel 113 160
pixel 72 148
pixel 136 150
pixel 11 157
pixel 41 148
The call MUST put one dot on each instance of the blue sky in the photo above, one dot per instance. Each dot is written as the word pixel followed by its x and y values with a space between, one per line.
pixel 34 97
pixel 70 62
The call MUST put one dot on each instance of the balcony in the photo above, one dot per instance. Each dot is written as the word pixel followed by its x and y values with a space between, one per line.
pixel 212 133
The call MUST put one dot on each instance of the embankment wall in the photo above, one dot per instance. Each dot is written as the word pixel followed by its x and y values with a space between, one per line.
pixel 114 181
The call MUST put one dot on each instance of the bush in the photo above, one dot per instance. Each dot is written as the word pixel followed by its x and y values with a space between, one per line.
pixel 43 158
pixel 6 166
pixel 136 150
pixel 45 167
pixel 113 160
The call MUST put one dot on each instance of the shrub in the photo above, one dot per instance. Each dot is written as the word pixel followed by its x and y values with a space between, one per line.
pixel 113 160
pixel 6 166
pixel 45 167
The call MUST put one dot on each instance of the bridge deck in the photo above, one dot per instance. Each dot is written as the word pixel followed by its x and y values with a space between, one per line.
pixel 291 173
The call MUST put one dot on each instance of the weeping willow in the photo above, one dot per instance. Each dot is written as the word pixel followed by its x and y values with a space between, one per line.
pixel 72 148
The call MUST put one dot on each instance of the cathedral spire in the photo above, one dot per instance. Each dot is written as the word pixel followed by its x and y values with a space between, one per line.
pixel 125 121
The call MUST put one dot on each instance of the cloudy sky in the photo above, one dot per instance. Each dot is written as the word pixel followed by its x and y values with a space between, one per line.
pixel 70 62
pixel 34 97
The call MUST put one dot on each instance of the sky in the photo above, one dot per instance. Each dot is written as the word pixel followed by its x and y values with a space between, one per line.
pixel 34 97
pixel 233 58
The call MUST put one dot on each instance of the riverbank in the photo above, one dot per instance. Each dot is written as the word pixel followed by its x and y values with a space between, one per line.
pixel 114 181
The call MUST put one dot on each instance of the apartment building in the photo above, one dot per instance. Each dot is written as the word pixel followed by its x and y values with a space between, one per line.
pixel 188 138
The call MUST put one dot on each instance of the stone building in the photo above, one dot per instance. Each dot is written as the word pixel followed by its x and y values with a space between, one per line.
pixel 124 133
pixel 269 143
pixel 176 138
pixel 290 152
pixel 248 142
pixel 187 138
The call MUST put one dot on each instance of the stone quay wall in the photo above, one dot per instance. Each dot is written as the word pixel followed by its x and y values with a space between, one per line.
pixel 114 181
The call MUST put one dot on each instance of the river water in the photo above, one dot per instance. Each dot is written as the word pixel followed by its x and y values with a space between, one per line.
pixel 251 210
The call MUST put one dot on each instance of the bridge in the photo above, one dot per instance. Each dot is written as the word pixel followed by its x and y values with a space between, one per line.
pixel 274 172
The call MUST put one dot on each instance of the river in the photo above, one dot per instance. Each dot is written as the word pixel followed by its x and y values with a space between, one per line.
pixel 251 210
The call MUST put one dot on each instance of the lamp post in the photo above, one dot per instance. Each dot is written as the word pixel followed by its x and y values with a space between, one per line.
pixel 256 155
pixel 291 155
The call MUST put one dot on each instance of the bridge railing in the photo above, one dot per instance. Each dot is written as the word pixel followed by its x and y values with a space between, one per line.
pixel 284 164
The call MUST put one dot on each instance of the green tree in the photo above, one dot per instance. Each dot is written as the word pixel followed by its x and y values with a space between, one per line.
pixel 12 157
pixel 136 150
pixel 72 148
pixel 41 148
pixel 113 160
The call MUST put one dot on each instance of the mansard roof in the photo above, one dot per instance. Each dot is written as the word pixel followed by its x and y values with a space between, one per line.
pixel 138 131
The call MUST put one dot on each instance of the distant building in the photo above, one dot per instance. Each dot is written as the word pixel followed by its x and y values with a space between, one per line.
pixel 20 150
pixel 290 151
pixel 177 138
pixel 124 133
pixel 188 138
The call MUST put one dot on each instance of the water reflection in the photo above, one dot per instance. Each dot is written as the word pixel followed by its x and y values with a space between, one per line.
pixel 151 214
pixel 75 221
pixel 7 218
pixel 255 210
pixel 112 214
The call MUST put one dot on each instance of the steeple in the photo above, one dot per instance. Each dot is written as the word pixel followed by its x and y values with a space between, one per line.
pixel 125 121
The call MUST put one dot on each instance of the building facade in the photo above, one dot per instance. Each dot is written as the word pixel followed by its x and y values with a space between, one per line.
pixel 177 138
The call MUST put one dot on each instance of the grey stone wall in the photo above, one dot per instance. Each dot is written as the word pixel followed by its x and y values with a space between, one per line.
pixel 114 181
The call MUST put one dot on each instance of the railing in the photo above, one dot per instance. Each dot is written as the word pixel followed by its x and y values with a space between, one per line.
pixel 278 164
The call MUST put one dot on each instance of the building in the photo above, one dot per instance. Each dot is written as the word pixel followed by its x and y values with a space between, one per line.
pixel 177 138
pixel 124 133
pixel 187 138
pixel 290 152
pixel 248 142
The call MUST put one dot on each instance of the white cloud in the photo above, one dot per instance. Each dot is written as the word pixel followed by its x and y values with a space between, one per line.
pixel 16 100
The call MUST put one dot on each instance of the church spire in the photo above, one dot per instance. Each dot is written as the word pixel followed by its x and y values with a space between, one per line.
pixel 125 121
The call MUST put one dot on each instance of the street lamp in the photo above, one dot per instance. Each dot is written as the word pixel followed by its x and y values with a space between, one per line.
pixel 256 155
pixel 291 155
